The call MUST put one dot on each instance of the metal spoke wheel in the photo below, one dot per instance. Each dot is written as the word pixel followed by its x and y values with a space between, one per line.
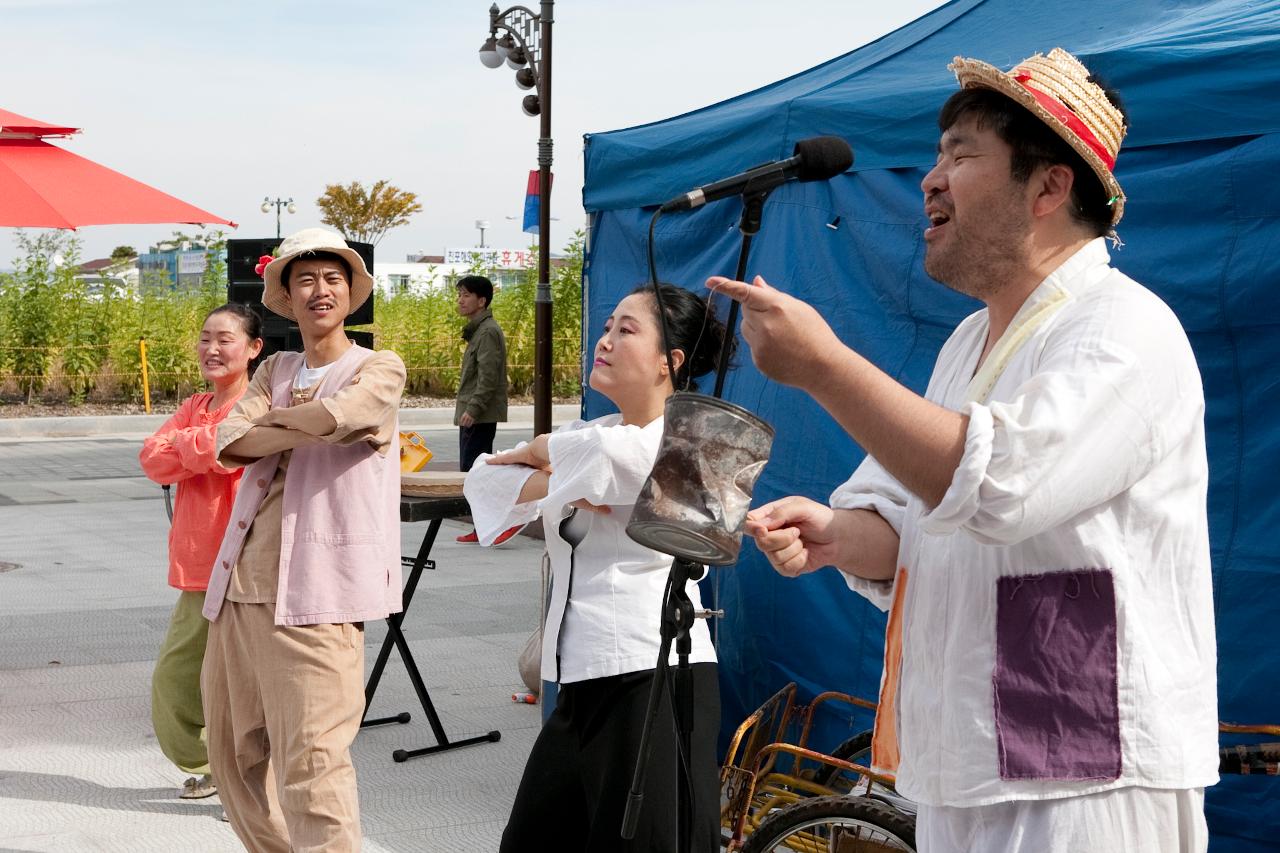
pixel 856 749
pixel 834 825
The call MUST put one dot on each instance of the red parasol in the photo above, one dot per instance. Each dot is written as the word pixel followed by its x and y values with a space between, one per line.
pixel 44 186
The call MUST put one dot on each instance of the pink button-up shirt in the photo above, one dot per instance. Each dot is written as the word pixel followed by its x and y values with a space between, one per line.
pixel 340 524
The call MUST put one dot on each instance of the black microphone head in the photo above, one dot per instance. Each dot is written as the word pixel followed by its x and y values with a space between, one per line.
pixel 822 158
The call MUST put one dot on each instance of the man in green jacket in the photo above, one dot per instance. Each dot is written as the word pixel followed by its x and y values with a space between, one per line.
pixel 482 388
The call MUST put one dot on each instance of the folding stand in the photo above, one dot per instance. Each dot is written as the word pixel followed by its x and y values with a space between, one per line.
pixel 435 510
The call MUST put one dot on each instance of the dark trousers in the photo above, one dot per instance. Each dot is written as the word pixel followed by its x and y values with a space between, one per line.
pixel 574 789
pixel 474 440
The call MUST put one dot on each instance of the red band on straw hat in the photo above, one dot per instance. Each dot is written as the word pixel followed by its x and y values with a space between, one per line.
pixel 1070 119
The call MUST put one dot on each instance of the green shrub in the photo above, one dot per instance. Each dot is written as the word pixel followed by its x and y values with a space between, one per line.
pixel 57 338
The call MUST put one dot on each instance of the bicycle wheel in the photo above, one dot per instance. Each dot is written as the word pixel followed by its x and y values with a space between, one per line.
pixel 856 749
pixel 833 825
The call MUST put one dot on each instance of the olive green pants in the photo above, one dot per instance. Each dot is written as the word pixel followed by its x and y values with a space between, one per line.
pixel 176 711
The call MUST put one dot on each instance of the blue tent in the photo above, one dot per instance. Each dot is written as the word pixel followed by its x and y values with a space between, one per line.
pixel 1202 228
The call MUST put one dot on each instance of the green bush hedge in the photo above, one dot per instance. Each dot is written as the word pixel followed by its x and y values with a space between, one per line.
pixel 59 340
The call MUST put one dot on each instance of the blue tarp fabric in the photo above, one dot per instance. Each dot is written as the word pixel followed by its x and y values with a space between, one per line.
pixel 1201 228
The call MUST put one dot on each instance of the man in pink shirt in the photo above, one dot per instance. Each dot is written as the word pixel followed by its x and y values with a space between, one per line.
pixel 311 552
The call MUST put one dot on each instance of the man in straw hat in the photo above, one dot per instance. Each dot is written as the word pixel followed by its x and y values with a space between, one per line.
pixel 311 552
pixel 1036 523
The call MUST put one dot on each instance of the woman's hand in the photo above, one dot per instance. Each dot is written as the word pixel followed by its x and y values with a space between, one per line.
pixel 534 454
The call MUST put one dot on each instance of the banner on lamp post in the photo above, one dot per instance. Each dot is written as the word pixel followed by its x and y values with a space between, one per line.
pixel 532 201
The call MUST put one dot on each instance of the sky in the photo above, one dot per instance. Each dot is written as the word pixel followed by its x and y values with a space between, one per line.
pixel 225 103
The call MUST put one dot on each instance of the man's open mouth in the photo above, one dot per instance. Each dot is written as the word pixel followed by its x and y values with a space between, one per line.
pixel 937 219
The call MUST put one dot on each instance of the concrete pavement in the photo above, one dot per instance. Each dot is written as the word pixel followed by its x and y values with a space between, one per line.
pixel 83 609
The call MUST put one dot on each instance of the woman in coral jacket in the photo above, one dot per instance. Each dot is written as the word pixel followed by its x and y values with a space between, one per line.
pixel 183 451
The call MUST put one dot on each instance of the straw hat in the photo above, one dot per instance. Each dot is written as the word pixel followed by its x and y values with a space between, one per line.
pixel 1057 90
pixel 275 297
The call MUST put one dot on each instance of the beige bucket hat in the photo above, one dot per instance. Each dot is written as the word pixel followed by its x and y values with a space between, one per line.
pixel 275 297
pixel 1057 90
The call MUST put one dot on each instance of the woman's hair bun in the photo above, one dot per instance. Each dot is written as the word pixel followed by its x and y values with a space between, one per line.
pixel 692 328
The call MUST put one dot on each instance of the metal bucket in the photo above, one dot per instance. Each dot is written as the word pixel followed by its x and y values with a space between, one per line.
pixel 696 498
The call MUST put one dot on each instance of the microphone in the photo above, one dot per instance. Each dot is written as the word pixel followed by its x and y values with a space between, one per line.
pixel 818 159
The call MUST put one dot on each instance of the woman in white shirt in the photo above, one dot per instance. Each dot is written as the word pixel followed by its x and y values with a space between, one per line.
pixel 603 621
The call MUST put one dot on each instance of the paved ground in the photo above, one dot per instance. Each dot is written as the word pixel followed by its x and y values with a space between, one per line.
pixel 83 609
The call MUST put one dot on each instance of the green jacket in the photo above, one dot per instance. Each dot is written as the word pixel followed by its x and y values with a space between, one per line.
pixel 482 388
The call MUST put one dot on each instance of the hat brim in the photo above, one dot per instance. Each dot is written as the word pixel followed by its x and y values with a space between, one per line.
pixel 976 74
pixel 276 298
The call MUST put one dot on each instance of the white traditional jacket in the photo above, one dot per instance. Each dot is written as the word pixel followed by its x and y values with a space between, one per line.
pixel 605 608
pixel 1055 610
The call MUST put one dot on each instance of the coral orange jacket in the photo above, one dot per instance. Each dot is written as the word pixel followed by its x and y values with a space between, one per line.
pixel 183 451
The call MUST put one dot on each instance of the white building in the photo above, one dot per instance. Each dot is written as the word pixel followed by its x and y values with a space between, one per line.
pixel 422 273
pixel 100 272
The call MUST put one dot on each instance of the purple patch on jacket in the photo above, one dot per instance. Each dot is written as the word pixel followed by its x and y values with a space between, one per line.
pixel 1057 712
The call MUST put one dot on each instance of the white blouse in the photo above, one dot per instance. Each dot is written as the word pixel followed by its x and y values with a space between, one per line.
pixel 1057 623
pixel 605 608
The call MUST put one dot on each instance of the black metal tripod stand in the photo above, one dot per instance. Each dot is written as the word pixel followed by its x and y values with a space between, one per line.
pixel 677 618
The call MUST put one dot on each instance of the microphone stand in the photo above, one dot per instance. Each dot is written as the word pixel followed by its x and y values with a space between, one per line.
pixel 678 613
pixel 677 618
pixel 749 225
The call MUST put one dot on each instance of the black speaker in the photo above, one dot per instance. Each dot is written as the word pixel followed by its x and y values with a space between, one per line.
pixel 247 292
pixel 242 257
pixel 245 285
pixel 278 333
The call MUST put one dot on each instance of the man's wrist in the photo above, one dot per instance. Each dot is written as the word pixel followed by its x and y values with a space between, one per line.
pixel 844 538
pixel 833 370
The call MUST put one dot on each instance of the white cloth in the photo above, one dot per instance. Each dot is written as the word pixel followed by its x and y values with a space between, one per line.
pixel 1088 456
pixel 605 620
pixel 310 376
pixel 1126 820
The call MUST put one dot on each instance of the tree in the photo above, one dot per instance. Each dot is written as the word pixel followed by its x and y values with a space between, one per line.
pixel 123 253
pixel 366 215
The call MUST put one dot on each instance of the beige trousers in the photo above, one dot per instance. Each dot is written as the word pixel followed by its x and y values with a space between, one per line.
pixel 291 696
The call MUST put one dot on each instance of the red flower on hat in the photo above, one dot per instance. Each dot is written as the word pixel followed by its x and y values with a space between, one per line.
pixel 260 269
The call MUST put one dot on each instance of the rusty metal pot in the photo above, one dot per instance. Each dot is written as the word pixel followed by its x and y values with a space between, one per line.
pixel 696 499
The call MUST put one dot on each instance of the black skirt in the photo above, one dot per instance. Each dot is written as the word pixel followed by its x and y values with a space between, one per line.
pixel 573 793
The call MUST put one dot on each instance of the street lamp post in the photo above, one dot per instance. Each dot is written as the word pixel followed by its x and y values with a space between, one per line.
pixel 525 45
pixel 286 203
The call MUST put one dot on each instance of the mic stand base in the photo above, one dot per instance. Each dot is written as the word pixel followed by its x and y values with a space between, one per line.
pixel 677 619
